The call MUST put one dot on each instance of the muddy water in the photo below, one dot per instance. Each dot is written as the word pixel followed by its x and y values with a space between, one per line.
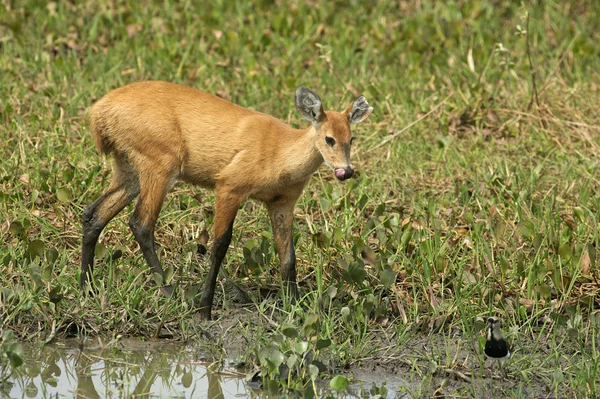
pixel 130 368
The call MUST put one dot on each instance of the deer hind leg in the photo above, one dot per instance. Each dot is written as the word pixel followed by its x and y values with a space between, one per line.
pixel 122 190
pixel 153 189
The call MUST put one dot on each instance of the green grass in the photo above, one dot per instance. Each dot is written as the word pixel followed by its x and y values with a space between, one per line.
pixel 488 205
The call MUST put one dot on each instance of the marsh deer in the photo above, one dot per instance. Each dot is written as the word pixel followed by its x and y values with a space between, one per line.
pixel 158 132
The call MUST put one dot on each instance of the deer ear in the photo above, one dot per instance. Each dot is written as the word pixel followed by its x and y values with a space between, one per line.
pixel 359 110
pixel 309 105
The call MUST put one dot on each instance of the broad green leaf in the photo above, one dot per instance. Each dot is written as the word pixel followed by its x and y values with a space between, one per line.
pixel 100 251
pixel 339 383
pixel 388 277
pixel 169 271
pixel 545 290
pixel 35 249
pixel 313 372
pixel 289 330
pixel 16 229
pixel 526 229
pixel 186 380
pixel 565 252
pixel 64 194
pixel 291 361
pixel 323 343
pixel 68 173
pixel 331 291
pixel 301 347
pixel 51 255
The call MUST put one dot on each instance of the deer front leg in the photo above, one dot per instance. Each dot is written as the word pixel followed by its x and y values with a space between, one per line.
pixel 281 212
pixel 225 212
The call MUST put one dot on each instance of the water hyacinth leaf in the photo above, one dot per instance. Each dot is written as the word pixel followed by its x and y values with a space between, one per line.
pixel 278 338
pixel 325 204
pixel 158 279
pixel 191 292
pixel 34 196
pixel 362 201
pixel 545 291
pixel 313 372
pixel 301 347
pixel 27 305
pixel 311 320
pixel 51 255
pixel 55 295
pixel 35 249
pixel 526 229
pixel 388 277
pixel 47 272
pixel 338 235
pixel 186 379
pixel 345 311
pixel 481 340
pixel 478 325
pixel 357 273
pixel 6 260
pixel 339 383
pixel 16 229
pixel 169 271
pixel 291 361
pixel 565 252
pixel 320 365
pixel 275 357
pixel 36 274
pixel 331 292
pixel 272 387
pixel 321 239
pixel 558 377
pixel 68 173
pixel 323 343
pixel 351 184
pixel 14 351
pixel 309 392
pixel 283 371
pixel 368 255
pixel 406 236
pixel 100 251
pixel 504 264
pixel 64 194
pixel 289 330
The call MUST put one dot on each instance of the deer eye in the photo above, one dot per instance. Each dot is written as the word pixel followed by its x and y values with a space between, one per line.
pixel 330 141
pixel 352 140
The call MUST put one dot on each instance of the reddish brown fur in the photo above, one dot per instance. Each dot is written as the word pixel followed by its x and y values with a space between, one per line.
pixel 159 132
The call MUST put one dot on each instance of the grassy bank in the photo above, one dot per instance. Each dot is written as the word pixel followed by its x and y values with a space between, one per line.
pixel 477 191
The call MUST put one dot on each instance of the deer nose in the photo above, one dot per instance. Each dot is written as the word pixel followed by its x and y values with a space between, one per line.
pixel 343 174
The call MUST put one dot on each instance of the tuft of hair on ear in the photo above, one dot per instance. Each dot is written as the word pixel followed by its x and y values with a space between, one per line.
pixel 359 110
pixel 309 105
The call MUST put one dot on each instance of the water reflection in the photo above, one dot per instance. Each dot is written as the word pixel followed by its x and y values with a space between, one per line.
pixel 131 368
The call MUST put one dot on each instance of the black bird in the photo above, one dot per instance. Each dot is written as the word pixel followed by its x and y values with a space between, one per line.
pixel 496 346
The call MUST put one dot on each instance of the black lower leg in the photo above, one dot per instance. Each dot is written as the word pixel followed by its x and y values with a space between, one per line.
pixel 218 254
pixel 289 272
pixel 144 235
pixel 92 227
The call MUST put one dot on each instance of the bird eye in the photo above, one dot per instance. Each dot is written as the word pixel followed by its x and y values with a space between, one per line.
pixel 352 140
pixel 330 141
